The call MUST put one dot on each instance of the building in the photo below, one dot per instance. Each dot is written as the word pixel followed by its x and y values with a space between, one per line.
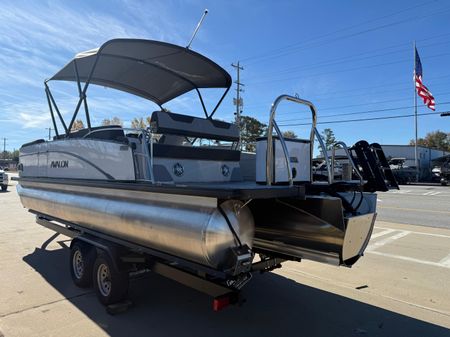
pixel 425 155
pixel 8 163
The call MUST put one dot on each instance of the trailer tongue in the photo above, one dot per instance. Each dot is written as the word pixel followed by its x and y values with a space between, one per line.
pixel 158 199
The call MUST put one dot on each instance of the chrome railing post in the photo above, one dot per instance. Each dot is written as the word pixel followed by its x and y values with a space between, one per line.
pixel 273 124
pixel 151 158
pixel 347 152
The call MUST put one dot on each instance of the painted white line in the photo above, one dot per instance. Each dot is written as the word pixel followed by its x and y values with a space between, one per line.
pixel 389 239
pixel 428 193
pixel 441 194
pixel 411 259
pixel 377 235
pixel 445 261
pixel 435 193
pixel 422 233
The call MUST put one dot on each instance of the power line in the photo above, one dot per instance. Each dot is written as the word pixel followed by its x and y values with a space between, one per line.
pixel 345 70
pixel 402 88
pixel 346 59
pixel 293 47
pixel 364 119
pixel 359 112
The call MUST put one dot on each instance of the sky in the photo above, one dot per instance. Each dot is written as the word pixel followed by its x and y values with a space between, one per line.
pixel 353 59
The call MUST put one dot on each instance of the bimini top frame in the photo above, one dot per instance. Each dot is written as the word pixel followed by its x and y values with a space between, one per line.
pixel 154 70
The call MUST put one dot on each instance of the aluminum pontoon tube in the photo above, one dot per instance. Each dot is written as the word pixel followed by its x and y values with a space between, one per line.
pixel 195 230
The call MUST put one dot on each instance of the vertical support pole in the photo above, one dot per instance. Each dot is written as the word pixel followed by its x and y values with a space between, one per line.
pixel 86 85
pixel 416 159
pixel 238 98
pixel 56 107
pixel 82 95
pixel 51 112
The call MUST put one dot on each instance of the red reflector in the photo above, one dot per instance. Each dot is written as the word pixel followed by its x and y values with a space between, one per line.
pixel 221 302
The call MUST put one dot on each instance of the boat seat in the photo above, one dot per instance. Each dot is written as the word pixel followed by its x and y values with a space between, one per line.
pixel 38 141
pixel 110 132
pixel 195 153
pixel 182 125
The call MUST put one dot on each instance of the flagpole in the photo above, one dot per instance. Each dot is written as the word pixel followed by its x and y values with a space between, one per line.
pixel 416 161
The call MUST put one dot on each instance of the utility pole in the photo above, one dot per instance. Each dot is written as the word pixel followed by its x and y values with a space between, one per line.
pixel 238 100
pixel 4 148
pixel 49 133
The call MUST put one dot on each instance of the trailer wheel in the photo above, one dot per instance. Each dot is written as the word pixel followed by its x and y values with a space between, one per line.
pixel 82 258
pixel 4 188
pixel 110 284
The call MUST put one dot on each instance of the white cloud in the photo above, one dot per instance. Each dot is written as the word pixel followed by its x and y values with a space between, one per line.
pixel 38 38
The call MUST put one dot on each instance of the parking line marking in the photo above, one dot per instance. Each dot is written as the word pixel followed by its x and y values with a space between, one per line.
pixel 377 235
pixel 414 210
pixel 445 261
pixel 421 233
pixel 389 239
pixel 411 259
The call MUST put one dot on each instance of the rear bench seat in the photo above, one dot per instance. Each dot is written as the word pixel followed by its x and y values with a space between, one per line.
pixel 189 126
pixel 168 123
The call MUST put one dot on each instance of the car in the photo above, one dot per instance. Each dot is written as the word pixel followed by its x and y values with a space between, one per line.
pixel 4 179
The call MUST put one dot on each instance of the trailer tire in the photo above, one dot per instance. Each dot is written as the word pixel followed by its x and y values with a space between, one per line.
pixel 82 258
pixel 111 285
pixel 4 188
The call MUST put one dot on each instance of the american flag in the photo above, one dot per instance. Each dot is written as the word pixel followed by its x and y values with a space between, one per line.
pixel 422 90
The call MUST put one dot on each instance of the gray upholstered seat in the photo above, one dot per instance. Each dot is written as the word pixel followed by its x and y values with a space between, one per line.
pixel 189 126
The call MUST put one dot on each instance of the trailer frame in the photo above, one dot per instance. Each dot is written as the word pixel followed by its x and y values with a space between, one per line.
pixel 128 257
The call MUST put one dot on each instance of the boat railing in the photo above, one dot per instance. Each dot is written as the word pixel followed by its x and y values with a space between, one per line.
pixel 349 157
pixel 147 139
pixel 273 125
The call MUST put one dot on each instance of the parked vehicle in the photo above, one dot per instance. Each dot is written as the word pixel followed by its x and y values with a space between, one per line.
pixel 403 174
pixel 441 172
pixel 133 202
pixel 4 180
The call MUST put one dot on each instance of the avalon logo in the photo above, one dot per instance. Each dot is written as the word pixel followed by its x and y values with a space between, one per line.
pixel 59 164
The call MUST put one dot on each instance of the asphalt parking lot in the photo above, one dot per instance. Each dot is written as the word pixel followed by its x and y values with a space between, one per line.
pixel 424 205
pixel 400 287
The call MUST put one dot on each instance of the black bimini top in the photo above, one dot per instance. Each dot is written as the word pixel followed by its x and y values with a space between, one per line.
pixel 154 70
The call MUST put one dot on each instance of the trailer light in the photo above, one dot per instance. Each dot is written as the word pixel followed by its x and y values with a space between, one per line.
pixel 221 302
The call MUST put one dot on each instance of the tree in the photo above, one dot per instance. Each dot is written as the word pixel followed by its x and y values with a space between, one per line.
pixel 435 139
pixel 251 129
pixel 13 155
pixel 77 125
pixel 289 134
pixel 140 123
pixel 112 121
pixel 329 138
